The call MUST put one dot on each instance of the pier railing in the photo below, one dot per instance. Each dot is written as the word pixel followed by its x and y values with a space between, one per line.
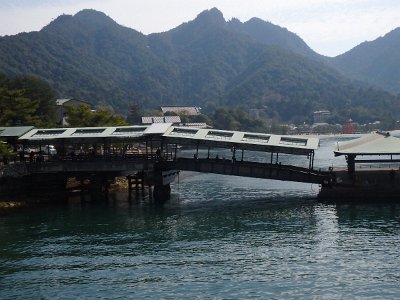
pixel 120 165
pixel 248 169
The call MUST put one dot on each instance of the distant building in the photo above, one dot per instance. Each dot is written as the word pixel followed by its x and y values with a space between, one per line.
pixel 254 113
pixel 166 119
pixel 188 110
pixel 348 127
pixel 195 125
pixel 321 116
pixel 61 103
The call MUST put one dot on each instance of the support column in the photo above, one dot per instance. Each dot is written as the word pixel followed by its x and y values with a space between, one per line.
pixel 351 164
pixel 162 193
pixel 176 150
pixel 129 187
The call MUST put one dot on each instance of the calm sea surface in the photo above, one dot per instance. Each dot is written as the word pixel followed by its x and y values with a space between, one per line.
pixel 219 237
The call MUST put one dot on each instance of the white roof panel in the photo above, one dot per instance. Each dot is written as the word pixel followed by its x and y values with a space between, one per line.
pixel 85 133
pixel 371 144
pixel 181 135
pixel 166 119
pixel 242 140
pixel 158 128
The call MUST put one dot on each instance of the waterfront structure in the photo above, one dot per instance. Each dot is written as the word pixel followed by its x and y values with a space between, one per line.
pixel 149 154
pixel 62 103
pixel 195 125
pixel 373 164
pixel 10 135
pixel 187 110
pixel 348 127
pixel 321 116
pixel 99 154
pixel 165 119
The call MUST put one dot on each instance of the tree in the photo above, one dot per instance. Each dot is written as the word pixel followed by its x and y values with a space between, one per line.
pixel 83 116
pixel 26 101
pixel 202 119
pixel 16 110
pixel 40 92
pixel 236 119
pixel 5 150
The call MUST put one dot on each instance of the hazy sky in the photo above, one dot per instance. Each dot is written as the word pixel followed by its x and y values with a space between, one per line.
pixel 330 27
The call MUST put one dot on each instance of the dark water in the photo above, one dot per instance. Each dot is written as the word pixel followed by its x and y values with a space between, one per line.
pixel 219 237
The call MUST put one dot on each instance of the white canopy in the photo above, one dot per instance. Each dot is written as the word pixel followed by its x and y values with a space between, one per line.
pixel 379 143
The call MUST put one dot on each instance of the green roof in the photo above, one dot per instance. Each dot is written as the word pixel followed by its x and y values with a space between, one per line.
pixel 14 131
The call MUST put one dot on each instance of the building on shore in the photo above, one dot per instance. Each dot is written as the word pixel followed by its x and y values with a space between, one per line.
pixel 165 119
pixel 62 103
pixel 349 127
pixel 178 110
pixel 321 116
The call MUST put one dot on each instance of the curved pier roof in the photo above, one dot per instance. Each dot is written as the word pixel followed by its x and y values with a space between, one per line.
pixel 372 144
pixel 300 145
pixel 242 140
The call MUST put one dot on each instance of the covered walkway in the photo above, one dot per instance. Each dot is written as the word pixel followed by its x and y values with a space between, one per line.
pixel 158 141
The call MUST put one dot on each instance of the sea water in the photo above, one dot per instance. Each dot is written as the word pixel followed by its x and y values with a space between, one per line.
pixel 218 237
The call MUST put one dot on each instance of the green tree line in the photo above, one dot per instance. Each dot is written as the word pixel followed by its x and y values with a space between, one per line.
pixel 31 101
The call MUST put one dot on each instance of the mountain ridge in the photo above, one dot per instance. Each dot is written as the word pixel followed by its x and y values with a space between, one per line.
pixel 207 62
pixel 376 62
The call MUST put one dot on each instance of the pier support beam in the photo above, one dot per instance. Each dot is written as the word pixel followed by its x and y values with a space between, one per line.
pixel 162 193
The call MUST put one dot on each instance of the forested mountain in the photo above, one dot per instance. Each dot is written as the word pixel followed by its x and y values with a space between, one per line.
pixel 87 56
pixel 273 35
pixel 207 62
pixel 376 62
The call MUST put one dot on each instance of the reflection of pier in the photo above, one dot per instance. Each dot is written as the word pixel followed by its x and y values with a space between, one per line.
pixel 150 155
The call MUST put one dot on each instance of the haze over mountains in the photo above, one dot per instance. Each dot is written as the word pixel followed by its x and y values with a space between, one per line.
pixel 209 62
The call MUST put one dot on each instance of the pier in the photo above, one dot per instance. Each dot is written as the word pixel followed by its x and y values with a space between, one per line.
pixel 372 173
pixel 151 156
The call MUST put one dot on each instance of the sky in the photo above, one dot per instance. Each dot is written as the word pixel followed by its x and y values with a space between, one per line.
pixel 329 27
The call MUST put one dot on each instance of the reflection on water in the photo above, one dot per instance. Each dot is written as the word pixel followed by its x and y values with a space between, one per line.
pixel 219 237
pixel 218 242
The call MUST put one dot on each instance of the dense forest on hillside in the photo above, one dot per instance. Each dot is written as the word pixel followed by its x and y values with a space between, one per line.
pixel 376 62
pixel 207 62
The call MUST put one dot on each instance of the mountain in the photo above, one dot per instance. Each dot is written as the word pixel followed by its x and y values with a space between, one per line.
pixel 376 62
pixel 207 62
pixel 273 35
pixel 86 56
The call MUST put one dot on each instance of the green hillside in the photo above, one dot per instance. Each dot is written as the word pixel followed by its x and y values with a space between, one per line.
pixel 206 62
pixel 376 62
